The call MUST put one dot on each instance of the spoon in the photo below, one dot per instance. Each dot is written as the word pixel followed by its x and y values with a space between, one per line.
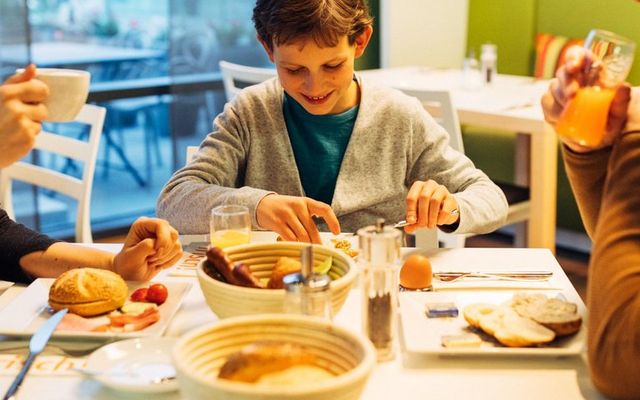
pixel 403 223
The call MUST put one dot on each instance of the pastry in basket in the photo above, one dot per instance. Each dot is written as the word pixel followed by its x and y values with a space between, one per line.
pixel 88 291
pixel 273 362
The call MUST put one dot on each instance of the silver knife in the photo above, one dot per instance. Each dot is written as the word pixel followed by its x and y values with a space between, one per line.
pixel 36 345
pixel 403 223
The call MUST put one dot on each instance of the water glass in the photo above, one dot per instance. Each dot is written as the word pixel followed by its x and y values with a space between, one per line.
pixel 585 118
pixel 230 225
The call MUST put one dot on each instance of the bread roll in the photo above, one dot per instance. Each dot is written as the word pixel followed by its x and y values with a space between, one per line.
pixel 88 291
pixel 473 312
pixel 264 358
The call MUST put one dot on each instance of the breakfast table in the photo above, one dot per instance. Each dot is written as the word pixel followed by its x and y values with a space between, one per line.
pixel 408 376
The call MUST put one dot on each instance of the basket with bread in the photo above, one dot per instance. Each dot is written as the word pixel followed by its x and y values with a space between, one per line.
pixel 273 356
pixel 99 300
pixel 247 279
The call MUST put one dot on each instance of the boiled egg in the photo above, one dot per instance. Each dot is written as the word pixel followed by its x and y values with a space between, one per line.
pixel 416 272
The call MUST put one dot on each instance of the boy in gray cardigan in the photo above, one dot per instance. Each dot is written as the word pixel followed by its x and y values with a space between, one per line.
pixel 318 142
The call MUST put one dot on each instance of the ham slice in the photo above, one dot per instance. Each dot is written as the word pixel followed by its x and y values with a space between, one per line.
pixel 112 323
pixel 75 323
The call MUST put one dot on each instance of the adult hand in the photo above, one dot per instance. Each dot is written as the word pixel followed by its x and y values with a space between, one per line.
pixel 430 204
pixel 292 217
pixel 20 114
pixel 151 245
pixel 569 78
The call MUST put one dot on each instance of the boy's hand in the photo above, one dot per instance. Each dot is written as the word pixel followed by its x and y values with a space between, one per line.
pixel 292 217
pixel 569 78
pixel 151 245
pixel 430 204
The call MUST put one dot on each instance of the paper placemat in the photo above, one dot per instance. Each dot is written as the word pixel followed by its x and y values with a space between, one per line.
pixel 192 254
pixel 44 365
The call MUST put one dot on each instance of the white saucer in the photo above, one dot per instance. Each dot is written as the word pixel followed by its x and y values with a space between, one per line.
pixel 146 358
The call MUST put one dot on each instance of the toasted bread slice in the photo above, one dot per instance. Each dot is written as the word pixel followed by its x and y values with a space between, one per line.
pixel 514 330
pixel 558 315
pixel 473 312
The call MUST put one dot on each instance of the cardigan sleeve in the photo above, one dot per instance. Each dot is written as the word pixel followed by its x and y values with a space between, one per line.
pixel 613 292
pixel 16 241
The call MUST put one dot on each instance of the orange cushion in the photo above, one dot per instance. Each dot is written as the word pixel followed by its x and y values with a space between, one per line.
pixel 550 53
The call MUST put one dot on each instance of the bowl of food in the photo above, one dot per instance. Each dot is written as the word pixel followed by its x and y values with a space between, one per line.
pixel 247 279
pixel 273 356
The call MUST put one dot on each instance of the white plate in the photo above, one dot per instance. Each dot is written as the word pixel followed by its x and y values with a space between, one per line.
pixel 5 285
pixel 28 311
pixel 144 358
pixel 423 335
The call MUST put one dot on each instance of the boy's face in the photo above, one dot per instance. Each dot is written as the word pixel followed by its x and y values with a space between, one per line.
pixel 320 78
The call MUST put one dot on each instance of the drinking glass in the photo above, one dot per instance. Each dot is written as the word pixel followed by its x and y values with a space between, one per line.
pixel 585 118
pixel 230 225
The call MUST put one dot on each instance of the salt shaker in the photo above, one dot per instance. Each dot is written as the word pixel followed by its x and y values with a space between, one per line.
pixel 380 259
pixel 306 292
pixel 488 62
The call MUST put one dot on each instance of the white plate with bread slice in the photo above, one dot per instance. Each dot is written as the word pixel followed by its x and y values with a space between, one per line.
pixel 31 308
pixel 488 323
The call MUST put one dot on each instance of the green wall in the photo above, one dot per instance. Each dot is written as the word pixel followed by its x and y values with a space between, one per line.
pixel 510 25
pixel 371 57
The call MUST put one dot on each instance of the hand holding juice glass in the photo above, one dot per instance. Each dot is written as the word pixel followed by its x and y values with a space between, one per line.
pixel 230 225
pixel 584 120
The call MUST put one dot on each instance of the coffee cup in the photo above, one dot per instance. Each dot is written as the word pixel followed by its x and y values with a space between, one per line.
pixel 68 91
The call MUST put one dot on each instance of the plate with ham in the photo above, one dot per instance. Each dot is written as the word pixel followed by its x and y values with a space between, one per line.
pixel 133 310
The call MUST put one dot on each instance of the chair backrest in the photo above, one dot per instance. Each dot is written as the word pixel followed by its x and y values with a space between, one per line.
pixel 438 103
pixel 236 77
pixel 74 149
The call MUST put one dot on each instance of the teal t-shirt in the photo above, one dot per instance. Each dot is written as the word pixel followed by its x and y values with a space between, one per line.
pixel 319 143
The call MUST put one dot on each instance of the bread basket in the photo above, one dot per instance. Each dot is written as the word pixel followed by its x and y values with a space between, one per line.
pixel 227 300
pixel 199 354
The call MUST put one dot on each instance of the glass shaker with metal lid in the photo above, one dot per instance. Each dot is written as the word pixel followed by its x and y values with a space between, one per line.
pixel 306 292
pixel 380 259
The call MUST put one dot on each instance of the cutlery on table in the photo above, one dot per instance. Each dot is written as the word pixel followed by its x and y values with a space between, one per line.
pixel 403 223
pixel 452 276
pixel 36 345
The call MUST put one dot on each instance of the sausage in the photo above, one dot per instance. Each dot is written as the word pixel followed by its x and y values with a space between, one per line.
pixel 238 274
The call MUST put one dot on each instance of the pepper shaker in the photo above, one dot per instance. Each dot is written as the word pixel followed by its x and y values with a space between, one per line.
pixel 306 292
pixel 489 62
pixel 380 259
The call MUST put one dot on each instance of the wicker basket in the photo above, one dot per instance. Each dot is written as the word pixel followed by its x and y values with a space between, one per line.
pixel 200 354
pixel 227 300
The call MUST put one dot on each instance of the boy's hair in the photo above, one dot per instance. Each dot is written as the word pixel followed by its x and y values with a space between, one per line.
pixel 325 21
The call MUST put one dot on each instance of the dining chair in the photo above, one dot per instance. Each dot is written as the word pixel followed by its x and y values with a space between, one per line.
pixel 438 103
pixel 236 77
pixel 79 189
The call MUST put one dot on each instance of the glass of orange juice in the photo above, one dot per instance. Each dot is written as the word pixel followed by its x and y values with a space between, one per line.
pixel 584 120
pixel 230 225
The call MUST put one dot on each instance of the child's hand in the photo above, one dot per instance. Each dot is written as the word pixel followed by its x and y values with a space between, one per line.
pixel 430 204
pixel 292 217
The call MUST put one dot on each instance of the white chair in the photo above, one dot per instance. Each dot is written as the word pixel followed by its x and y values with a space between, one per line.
pixel 74 149
pixel 440 106
pixel 235 77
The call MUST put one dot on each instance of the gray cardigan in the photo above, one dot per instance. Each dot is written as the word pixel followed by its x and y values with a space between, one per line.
pixel 394 143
